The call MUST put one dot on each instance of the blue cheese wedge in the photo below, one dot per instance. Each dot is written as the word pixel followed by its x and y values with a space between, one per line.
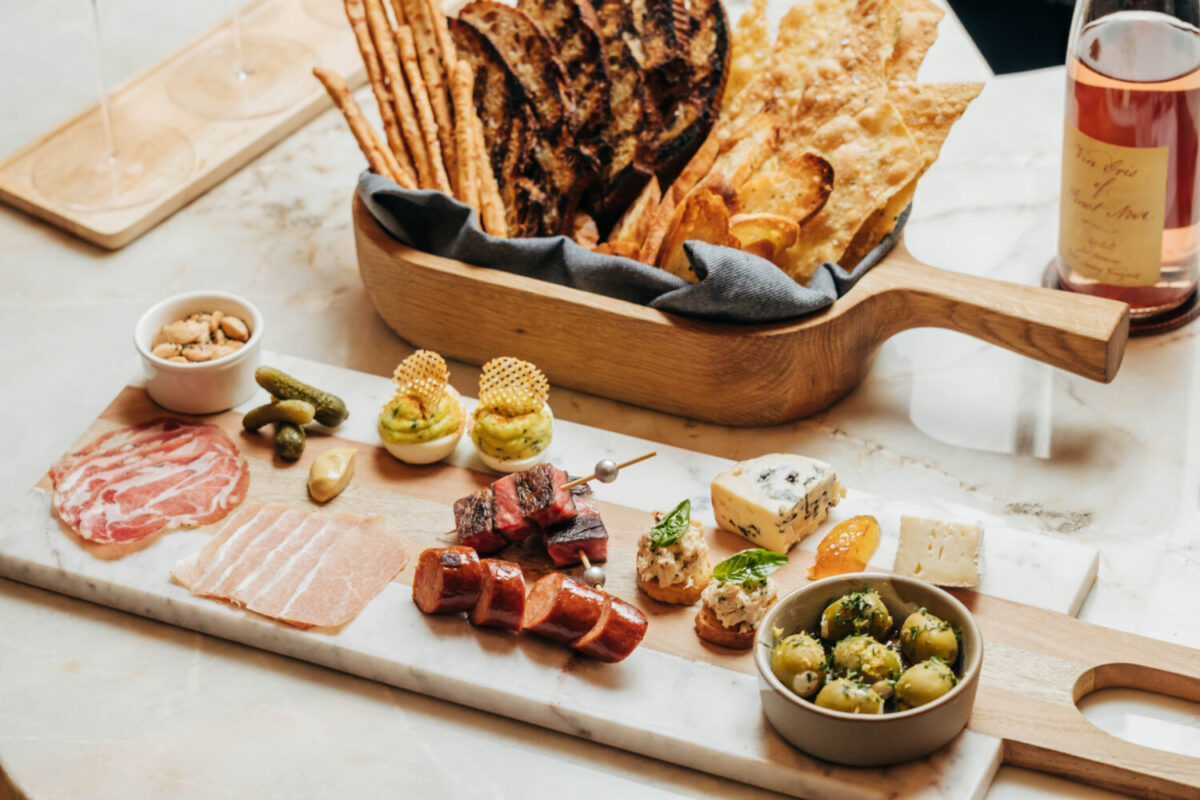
pixel 775 500
pixel 941 553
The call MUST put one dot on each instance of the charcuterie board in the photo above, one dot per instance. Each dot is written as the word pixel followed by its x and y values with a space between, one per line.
pixel 221 147
pixel 1038 660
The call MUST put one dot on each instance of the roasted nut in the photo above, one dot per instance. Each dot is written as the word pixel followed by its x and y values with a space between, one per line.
pixel 198 352
pixel 235 329
pixel 201 336
pixel 185 332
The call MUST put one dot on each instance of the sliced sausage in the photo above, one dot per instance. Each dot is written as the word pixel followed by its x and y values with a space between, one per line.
pixel 501 596
pixel 447 580
pixel 614 636
pixel 562 609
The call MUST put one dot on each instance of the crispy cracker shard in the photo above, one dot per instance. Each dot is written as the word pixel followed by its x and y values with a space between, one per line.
pixel 424 376
pixel 512 386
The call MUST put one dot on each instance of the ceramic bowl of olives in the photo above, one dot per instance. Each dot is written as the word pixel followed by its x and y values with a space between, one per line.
pixel 868 669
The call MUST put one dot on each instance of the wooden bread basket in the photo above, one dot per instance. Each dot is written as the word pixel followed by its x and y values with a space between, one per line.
pixel 716 372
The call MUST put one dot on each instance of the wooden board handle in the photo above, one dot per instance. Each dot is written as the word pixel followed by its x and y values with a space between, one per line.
pixel 1079 333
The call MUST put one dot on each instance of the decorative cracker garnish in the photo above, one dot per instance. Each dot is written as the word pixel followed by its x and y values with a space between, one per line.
pixel 512 386
pixel 422 375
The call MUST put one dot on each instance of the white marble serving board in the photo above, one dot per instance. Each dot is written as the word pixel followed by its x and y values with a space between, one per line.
pixel 715 725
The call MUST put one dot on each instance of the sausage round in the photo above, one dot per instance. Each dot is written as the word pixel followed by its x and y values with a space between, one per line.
pixel 614 636
pixel 562 609
pixel 447 580
pixel 501 595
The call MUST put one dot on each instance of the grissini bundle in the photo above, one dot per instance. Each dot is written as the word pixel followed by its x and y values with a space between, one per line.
pixel 370 145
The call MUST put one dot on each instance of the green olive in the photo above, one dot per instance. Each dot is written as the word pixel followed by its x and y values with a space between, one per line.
pixel 925 636
pixel 857 612
pixel 799 662
pixel 853 698
pixel 868 658
pixel 923 683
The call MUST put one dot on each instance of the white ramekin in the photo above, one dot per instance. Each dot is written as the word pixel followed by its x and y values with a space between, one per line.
pixel 205 387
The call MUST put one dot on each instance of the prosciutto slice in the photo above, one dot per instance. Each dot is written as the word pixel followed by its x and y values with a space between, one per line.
pixel 136 481
pixel 305 568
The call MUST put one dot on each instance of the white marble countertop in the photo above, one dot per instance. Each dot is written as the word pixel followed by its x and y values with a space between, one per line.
pixel 94 702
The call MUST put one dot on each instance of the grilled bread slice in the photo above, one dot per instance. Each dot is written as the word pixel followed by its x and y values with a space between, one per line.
pixel 626 172
pixel 664 27
pixel 696 111
pixel 573 26
pixel 508 128
pixel 533 58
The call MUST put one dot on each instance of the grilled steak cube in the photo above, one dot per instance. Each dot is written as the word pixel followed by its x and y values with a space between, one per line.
pixel 473 519
pixel 509 518
pixel 542 497
pixel 586 533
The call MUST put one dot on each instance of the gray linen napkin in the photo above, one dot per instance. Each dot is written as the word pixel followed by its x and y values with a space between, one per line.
pixel 734 286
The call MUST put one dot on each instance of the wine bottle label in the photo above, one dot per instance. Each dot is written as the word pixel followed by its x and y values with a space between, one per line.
pixel 1112 209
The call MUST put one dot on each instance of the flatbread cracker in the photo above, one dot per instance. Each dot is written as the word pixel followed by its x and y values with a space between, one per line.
pixel 918 29
pixel 634 224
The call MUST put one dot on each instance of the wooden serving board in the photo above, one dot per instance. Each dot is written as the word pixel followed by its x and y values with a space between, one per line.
pixel 222 147
pixel 801 367
pixel 1038 659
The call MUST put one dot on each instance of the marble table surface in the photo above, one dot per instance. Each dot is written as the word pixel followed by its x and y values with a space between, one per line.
pixel 158 711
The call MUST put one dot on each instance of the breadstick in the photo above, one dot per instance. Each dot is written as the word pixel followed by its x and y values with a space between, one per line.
pixel 406 116
pixel 462 90
pixel 429 127
pixel 436 81
pixel 491 205
pixel 339 93
pixel 357 14
pixel 398 11
pixel 449 54
pixel 399 174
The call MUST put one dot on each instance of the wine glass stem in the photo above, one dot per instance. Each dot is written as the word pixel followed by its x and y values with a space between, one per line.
pixel 239 60
pixel 110 137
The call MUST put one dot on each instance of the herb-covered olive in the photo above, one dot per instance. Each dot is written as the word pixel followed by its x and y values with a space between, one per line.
pixel 869 659
pixel 799 662
pixel 925 636
pixel 857 612
pixel 853 698
pixel 923 683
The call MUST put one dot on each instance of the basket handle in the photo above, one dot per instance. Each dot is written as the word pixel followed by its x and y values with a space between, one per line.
pixel 1079 333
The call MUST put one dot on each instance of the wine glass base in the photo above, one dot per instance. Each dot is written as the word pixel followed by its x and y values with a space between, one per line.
pixel 75 169
pixel 329 12
pixel 271 75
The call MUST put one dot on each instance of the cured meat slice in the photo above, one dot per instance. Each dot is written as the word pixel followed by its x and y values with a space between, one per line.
pixel 510 518
pixel 584 534
pixel 447 580
pixel 501 595
pixel 473 520
pixel 305 568
pixel 615 635
pixel 562 609
pixel 136 481
pixel 543 498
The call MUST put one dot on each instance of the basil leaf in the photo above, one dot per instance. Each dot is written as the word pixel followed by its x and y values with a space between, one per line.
pixel 671 528
pixel 749 567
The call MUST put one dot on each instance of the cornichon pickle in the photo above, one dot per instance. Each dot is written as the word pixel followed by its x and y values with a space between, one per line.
pixel 300 412
pixel 330 410
pixel 289 440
